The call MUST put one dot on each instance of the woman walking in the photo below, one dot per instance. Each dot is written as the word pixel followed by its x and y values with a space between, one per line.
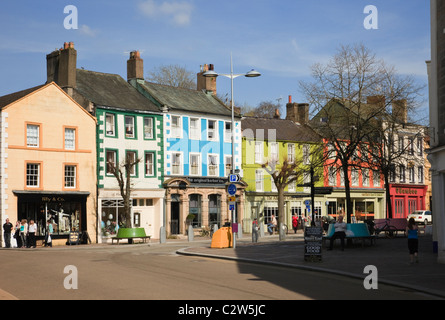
pixel 413 240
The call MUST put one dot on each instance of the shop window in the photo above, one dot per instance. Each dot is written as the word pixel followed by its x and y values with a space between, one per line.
pixel 112 216
pixel 195 210
pixel 214 210
pixel 268 212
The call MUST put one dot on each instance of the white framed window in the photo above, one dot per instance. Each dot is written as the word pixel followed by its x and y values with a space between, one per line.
pixel 259 183
pixel 176 127
pixel 291 153
pixel 420 174
pixel 354 177
pixel 212 165
pixel 176 159
pixel 195 129
pixel 306 154
pixel 148 128
pixel 274 156
pixel 195 164
pixel 376 178
pixel 228 131
pixel 32 135
pixel 149 163
pixel 131 157
pixel 212 130
pixel 259 152
pixel 70 138
pixel 411 173
pixel 365 177
pixel 291 187
pixel 33 175
pixel 420 146
pixel 70 176
pixel 129 127
pixel 111 157
pixel 402 173
pixel 228 165
pixel 332 172
pixel 110 124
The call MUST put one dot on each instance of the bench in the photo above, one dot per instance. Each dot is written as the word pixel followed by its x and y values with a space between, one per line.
pixel 130 234
pixel 355 231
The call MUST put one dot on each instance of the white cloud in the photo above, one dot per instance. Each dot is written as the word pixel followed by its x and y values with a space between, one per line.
pixel 178 13
pixel 86 30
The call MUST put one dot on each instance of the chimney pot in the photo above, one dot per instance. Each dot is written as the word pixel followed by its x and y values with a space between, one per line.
pixel 290 99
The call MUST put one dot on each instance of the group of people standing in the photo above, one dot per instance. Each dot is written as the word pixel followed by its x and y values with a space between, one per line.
pixel 24 234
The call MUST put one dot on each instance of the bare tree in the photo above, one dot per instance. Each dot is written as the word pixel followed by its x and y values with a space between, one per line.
pixel 282 176
pixel 339 94
pixel 173 75
pixel 123 173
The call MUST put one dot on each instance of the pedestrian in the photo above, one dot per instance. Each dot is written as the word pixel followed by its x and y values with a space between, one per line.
pixel 17 234
pixel 339 232
pixel 295 224
pixel 23 232
pixel 255 229
pixel 7 229
pixel 413 240
pixel 272 225
pixel 49 231
pixel 32 230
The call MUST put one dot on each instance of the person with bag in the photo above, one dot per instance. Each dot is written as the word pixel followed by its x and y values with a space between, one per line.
pixel 295 223
pixel 23 232
pixel 49 231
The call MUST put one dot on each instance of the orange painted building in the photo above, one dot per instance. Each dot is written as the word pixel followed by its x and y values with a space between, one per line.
pixel 48 162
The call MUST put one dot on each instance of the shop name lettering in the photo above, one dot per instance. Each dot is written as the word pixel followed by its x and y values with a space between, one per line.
pixel 406 191
pixel 53 199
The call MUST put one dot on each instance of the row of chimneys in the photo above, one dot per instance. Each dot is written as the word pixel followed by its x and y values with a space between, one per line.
pixel 61 68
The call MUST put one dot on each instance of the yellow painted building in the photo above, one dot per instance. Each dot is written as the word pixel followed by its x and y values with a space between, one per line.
pixel 48 162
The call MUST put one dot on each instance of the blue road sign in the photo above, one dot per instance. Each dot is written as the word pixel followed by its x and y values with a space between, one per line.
pixel 232 207
pixel 231 189
pixel 234 178
pixel 307 203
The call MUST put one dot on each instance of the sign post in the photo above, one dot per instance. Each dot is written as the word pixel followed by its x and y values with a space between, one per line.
pixel 231 190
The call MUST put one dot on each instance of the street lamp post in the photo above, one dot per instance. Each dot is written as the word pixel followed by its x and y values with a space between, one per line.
pixel 251 74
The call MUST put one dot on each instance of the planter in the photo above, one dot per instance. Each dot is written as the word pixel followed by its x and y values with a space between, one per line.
pixel 130 233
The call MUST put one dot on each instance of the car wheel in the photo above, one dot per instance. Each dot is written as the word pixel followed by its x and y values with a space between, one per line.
pixel 426 221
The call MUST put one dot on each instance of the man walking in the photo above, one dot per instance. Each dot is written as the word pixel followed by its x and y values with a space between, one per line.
pixel 7 229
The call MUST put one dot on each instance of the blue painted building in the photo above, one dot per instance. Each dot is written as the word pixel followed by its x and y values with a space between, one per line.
pixel 197 150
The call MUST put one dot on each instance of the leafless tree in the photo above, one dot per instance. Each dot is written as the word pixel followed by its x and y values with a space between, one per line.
pixel 122 172
pixel 340 93
pixel 173 75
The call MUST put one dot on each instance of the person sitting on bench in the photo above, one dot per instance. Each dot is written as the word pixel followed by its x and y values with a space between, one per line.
pixel 340 232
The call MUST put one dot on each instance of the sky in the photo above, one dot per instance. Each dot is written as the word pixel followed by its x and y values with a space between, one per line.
pixel 281 39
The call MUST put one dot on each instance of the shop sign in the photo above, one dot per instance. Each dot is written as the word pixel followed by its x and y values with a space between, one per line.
pixel 406 191
pixel 53 199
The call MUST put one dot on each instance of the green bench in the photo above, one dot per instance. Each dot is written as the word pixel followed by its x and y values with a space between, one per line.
pixel 355 231
pixel 130 234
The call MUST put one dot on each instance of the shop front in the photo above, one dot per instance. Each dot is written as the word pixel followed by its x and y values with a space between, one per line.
pixel 262 205
pixel 407 198
pixel 65 211
pixel 365 204
pixel 199 202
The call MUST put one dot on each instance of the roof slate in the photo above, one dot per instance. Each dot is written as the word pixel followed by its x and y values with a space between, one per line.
pixel 111 90
pixel 185 99
pixel 286 130
pixel 10 98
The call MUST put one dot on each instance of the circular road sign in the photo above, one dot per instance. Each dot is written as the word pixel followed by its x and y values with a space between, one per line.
pixel 231 189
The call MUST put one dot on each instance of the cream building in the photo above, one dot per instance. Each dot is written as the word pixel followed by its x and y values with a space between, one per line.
pixel 48 162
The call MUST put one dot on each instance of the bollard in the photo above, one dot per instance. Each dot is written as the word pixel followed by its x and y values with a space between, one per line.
pixel 162 235
pixel 190 233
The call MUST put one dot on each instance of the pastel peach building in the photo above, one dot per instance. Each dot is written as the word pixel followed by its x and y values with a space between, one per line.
pixel 48 162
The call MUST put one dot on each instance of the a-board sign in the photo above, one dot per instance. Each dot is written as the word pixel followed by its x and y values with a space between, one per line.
pixel 313 237
pixel 73 238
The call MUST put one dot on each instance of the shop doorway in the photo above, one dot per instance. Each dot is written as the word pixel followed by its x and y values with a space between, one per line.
pixel 174 221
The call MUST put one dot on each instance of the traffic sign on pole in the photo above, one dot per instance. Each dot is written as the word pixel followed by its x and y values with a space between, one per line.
pixel 231 189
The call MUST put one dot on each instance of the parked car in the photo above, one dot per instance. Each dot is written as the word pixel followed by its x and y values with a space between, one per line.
pixel 421 216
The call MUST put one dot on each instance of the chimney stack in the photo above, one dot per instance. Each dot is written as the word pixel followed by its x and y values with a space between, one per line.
pixel 61 66
pixel 135 66
pixel 400 110
pixel 206 83
pixel 297 112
